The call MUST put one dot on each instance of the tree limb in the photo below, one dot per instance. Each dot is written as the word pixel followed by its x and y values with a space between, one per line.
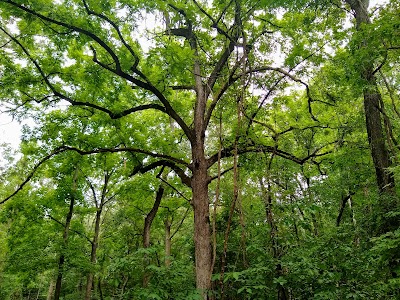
pixel 228 152
pixel 127 149
pixel 116 28
pixel 219 175
pixel 30 175
pixel 77 232
pixel 164 163
pixel 118 71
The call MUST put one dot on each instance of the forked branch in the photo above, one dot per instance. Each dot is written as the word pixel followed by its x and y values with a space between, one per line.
pixel 117 70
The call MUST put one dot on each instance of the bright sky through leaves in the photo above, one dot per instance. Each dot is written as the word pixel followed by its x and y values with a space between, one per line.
pixel 10 131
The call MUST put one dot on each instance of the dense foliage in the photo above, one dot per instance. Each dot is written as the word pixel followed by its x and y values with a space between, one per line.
pixel 200 149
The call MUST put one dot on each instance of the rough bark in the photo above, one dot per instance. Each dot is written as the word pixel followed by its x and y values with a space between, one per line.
pixel 202 237
pixel 372 105
pixel 199 184
pixel 376 134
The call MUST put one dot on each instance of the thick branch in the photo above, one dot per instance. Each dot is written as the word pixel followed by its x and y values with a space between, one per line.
pixel 127 149
pixel 182 87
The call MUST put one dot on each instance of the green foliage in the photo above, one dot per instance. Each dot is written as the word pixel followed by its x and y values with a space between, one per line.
pixel 288 96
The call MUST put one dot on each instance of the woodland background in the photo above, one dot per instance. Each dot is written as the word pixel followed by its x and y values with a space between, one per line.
pixel 200 149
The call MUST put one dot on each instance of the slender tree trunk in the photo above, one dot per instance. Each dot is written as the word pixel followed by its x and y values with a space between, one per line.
pixel 93 254
pixel 345 199
pixel 147 226
pixel 167 224
pixel 150 217
pixel 276 250
pixel 61 260
pixel 50 292
pixel 100 289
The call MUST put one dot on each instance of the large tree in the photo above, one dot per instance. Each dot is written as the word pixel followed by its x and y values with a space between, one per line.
pixel 160 103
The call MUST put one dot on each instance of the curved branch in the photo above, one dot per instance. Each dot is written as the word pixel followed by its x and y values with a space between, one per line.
pixel 164 163
pixel 148 86
pixel 287 74
pixel 127 149
pixel 272 89
pixel 229 152
pixel 118 71
pixel 32 173
pixel 220 175
pixel 71 27
pixel 56 93
pixel 116 28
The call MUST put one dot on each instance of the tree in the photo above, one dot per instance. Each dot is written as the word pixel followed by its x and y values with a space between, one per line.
pixel 188 102
pixel 373 104
pixel 79 32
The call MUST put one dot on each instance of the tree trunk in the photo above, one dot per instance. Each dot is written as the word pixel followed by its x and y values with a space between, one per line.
pixel 146 229
pixel 50 292
pixel 376 136
pixel 150 217
pixel 100 289
pixel 93 257
pixel 372 107
pixel 343 206
pixel 202 237
pixel 199 185
pixel 61 260
pixel 167 224
pixel 276 249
